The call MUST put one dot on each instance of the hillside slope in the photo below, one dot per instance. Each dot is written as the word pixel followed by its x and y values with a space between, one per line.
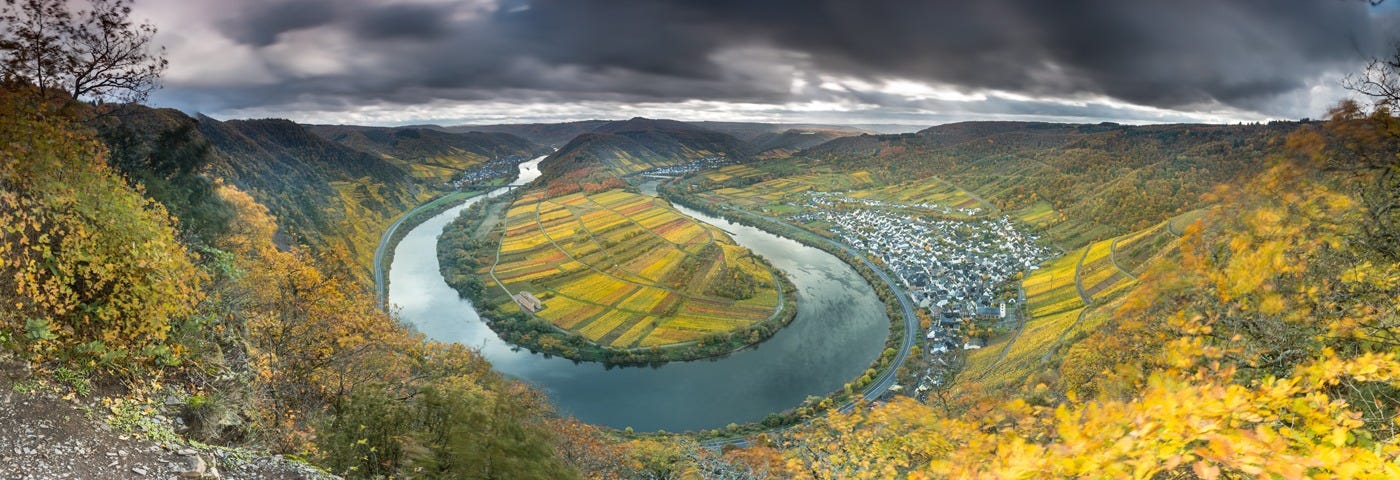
pixel 429 155
pixel 1085 181
pixel 638 144
pixel 546 134
pixel 324 194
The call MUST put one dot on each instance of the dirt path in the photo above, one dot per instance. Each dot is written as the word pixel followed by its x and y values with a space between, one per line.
pixel 1078 281
pixel 45 436
pixel 1113 257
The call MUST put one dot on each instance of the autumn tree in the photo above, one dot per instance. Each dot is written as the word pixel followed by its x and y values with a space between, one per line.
pixel 95 53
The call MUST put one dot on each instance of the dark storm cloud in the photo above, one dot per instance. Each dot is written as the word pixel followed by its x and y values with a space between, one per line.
pixel 419 22
pixel 262 22
pixel 1167 53
pixel 1170 54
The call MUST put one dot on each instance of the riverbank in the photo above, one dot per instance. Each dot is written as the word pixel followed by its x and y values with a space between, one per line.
pixel 903 325
pixel 384 253
pixel 840 329
pixel 462 256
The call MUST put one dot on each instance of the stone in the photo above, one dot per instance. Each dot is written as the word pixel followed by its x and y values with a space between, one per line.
pixel 195 467
pixel 138 470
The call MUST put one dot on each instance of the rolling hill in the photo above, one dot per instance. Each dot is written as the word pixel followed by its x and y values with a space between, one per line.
pixel 547 134
pixel 631 146
pixel 1095 180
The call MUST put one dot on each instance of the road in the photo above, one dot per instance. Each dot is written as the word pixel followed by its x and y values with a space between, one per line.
pixel 1113 257
pixel 383 249
pixel 1078 283
pixel 882 383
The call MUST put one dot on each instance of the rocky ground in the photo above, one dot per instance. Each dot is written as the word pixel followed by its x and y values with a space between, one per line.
pixel 47 436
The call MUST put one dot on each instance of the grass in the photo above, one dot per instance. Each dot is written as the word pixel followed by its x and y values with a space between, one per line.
pixel 626 270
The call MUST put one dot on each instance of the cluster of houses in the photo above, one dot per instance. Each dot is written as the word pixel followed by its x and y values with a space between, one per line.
pixel 832 199
pixel 950 267
pixel 706 163
pixel 495 168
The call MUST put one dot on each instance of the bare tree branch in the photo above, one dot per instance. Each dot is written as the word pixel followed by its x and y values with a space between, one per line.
pixel 94 54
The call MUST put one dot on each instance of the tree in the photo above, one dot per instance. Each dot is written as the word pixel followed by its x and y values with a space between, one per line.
pixel 96 53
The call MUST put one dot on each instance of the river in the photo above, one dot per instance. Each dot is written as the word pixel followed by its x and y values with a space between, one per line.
pixel 839 330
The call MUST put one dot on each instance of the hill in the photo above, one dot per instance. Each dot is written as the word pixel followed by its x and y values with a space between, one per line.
pixel 752 131
pixel 547 134
pixel 430 156
pixel 324 194
pixel 635 145
pixel 1093 180
pixel 327 196
pixel 788 142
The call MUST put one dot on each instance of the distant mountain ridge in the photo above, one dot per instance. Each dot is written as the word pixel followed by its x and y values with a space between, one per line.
pixel 545 134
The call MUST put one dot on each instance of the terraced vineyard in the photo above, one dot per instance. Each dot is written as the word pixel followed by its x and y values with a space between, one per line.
pixel 626 270
pixel 1024 355
pixel 1105 269
pixel 1097 274
pixel 1050 289
pixel 785 190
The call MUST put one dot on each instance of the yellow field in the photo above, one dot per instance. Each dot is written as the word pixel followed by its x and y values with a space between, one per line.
pixel 626 270
pixel 1050 289
pixel 1101 279
pixel 1024 356
pixel 782 190
pixel 931 190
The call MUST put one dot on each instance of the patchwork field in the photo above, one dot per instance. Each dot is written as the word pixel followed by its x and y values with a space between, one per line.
pixel 626 270
pixel 784 190
pixel 782 195
pixel 930 190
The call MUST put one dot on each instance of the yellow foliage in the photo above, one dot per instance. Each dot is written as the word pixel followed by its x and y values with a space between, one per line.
pixel 87 262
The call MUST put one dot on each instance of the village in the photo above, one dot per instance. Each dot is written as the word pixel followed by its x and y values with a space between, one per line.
pixel 504 167
pixel 705 163
pixel 953 268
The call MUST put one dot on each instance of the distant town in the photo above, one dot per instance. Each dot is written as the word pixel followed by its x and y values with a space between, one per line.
pixel 951 267
pixel 706 163
pixel 504 167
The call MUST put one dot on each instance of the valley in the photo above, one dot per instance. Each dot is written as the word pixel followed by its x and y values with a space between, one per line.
pixel 375 239
pixel 582 264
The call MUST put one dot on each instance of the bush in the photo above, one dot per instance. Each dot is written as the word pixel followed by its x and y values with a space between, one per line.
pixel 85 261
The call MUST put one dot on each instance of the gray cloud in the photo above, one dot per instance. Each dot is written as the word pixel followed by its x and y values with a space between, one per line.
pixel 1184 55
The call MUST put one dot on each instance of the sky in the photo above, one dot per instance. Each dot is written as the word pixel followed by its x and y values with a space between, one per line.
pixel 395 62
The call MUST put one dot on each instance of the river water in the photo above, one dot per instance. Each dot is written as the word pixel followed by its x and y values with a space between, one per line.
pixel 839 330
